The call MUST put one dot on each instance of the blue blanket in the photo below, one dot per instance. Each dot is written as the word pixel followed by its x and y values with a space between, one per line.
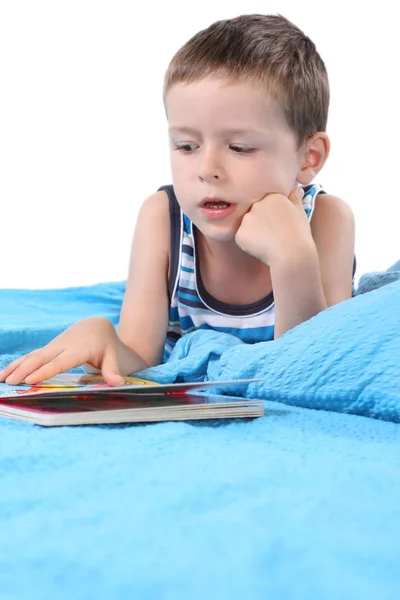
pixel 300 504
pixel 345 359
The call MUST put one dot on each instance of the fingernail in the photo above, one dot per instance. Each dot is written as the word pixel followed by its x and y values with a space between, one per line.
pixel 300 192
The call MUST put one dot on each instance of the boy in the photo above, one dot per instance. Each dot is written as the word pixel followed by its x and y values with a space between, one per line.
pixel 242 242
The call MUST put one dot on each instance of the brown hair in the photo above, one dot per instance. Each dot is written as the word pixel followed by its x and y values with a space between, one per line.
pixel 266 48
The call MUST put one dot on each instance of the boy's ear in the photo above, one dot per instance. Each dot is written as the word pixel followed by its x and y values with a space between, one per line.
pixel 315 151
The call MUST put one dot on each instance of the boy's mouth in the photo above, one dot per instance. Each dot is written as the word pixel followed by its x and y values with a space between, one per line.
pixel 216 209
pixel 215 203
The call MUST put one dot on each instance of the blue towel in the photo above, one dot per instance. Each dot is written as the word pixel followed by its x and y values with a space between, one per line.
pixel 373 281
pixel 345 359
pixel 299 504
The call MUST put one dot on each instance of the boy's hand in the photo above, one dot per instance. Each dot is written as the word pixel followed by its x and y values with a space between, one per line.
pixel 274 226
pixel 92 341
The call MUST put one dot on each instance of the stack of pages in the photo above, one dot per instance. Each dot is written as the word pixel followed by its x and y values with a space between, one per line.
pixel 69 399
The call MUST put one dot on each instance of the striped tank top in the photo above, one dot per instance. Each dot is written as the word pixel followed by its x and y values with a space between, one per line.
pixel 192 307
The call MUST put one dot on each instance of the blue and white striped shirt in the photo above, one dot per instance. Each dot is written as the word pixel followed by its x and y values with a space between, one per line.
pixel 192 307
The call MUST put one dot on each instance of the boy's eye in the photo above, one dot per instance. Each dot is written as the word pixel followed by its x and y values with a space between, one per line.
pixel 185 147
pixel 242 149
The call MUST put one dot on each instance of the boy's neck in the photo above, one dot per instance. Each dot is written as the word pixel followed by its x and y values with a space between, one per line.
pixel 227 253
pixel 229 274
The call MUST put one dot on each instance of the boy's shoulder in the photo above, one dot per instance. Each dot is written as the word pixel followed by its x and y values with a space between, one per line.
pixel 330 206
pixel 332 219
pixel 155 206
pixel 152 221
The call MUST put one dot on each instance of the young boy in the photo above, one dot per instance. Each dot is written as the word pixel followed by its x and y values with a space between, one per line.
pixel 242 242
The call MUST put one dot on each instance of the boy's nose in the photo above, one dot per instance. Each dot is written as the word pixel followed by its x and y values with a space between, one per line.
pixel 206 177
pixel 210 166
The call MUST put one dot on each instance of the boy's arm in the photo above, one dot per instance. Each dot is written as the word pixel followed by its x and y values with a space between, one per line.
pixel 144 314
pixel 143 320
pixel 333 231
pixel 318 274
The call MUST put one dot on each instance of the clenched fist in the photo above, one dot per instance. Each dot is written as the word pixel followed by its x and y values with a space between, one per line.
pixel 275 225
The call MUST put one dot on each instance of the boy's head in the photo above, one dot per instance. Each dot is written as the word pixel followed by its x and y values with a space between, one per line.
pixel 247 102
pixel 267 49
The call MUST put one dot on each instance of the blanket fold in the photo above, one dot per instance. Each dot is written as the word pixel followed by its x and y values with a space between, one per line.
pixel 299 504
pixel 345 359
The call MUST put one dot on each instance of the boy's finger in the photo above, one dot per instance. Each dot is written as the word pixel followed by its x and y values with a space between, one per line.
pixel 26 367
pixel 296 196
pixel 110 370
pixel 59 364
pixel 4 373
pixel 29 364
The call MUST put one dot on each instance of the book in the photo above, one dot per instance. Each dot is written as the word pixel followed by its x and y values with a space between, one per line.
pixel 70 399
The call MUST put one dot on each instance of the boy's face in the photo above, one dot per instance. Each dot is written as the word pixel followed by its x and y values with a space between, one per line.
pixel 230 146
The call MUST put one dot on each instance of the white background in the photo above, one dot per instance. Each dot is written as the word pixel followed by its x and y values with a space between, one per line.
pixel 83 134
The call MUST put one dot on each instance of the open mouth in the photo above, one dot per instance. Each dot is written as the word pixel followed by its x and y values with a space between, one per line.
pixel 216 205
pixel 215 210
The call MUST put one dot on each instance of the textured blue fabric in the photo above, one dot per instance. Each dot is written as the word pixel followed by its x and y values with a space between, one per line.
pixel 345 359
pixel 373 281
pixel 299 504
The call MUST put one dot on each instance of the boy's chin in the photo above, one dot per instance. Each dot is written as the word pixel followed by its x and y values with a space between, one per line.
pixel 218 234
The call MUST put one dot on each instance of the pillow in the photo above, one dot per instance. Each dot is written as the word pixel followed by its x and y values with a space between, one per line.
pixel 345 359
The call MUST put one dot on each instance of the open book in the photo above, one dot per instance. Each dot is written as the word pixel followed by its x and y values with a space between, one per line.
pixel 69 399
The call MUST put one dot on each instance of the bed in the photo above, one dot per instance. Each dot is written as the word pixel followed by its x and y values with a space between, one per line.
pixel 301 503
